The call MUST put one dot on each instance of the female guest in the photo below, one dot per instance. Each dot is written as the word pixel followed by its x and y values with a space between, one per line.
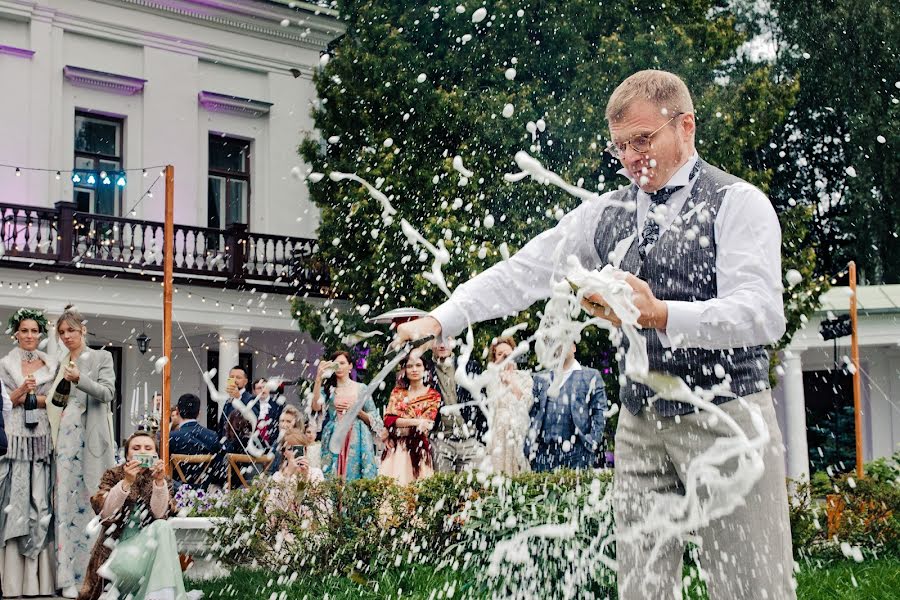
pixel 25 474
pixel 356 459
pixel 133 502
pixel 85 446
pixel 409 417
pixel 509 398
pixel 289 419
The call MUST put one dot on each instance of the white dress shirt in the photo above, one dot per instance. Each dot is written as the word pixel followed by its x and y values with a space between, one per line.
pixel 747 310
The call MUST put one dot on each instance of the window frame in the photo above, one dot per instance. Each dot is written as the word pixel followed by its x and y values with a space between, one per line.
pixel 227 176
pixel 95 158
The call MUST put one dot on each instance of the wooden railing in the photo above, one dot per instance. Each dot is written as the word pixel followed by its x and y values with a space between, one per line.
pixel 65 239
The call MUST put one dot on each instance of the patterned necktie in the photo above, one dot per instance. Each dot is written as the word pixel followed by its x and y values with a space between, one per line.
pixel 650 232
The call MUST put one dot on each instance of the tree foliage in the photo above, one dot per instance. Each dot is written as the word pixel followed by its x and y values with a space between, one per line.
pixel 412 85
pixel 839 151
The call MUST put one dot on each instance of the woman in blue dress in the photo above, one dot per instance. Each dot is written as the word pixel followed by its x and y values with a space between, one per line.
pixel 356 459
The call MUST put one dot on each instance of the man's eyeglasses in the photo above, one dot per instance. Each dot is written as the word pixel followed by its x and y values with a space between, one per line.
pixel 639 143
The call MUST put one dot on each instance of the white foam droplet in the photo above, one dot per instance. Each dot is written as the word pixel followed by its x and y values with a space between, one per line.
pixel 460 9
pixel 479 15
pixel 881 139
pixel 489 221
pixel 793 277
pixel 324 59
pixel 161 363
pixel 297 173
pixel 388 142
pixel 334 139
pixel 422 77
pixel 285 22
pixel 704 241
pixel 510 73
pixel 851 171
pixel 508 110
pixel 644 180
pixel 316 177
pixel 504 251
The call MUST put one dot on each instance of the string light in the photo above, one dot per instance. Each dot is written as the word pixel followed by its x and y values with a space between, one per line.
pixel 18 172
pixel 58 175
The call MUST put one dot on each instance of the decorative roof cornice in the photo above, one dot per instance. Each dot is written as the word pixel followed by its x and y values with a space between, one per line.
pixel 312 26
pixel 235 105
pixel 18 52
pixel 105 82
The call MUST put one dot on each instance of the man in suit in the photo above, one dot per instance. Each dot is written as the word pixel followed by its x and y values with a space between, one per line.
pixel 236 390
pixel 456 435
pixel 567 430
pixel 189 436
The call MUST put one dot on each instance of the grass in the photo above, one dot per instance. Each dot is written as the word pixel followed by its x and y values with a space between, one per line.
pixel 875 579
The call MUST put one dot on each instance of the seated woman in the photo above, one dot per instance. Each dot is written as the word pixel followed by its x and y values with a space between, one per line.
pixel 294 470
pixel 409 417
pixel 136 550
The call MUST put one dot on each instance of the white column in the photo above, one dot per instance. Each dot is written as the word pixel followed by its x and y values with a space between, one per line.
pixel 797 456
pixel 229 354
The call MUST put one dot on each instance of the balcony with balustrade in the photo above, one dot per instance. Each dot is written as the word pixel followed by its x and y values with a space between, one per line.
pixel 62 239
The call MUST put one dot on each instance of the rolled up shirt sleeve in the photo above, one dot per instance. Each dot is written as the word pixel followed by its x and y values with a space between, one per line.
pixel 748 309
pixel 513 285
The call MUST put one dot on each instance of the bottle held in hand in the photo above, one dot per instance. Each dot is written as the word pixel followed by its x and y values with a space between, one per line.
pixel 31 410
pixel 63 389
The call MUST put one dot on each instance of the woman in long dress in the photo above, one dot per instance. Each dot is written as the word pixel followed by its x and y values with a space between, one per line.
pixel 409 417
pixel 136 550
pixel 85 446
pixel 509 400
pixel 356 459
pixel 26 556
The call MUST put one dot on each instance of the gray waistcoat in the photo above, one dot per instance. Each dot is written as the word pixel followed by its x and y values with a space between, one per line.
pixel 679 268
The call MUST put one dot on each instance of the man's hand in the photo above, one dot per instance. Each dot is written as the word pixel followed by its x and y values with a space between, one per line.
pixel 416 329
pixel 654 312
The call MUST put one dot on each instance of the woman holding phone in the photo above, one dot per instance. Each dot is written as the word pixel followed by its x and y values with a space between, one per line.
pixel 356 459
pixel 136 549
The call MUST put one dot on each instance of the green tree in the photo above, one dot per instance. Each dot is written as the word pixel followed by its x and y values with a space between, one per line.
pixel 412 85
pixel 839 152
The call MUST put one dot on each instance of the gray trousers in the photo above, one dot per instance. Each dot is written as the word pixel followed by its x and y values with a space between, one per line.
pixel 455 456
pixel 745 555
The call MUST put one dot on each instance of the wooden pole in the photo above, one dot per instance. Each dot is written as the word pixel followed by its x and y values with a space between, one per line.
pixel 857 384
pixel 168 261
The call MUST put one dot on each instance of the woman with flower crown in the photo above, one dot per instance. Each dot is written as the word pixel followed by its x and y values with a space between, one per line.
pixel 25 474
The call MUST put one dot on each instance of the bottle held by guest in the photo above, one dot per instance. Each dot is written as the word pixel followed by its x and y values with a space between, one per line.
pixel 31 410
pixel 63 389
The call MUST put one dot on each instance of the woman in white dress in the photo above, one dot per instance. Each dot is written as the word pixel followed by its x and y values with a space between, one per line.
pixel 509 400
pixel 85 447
pixel 26 556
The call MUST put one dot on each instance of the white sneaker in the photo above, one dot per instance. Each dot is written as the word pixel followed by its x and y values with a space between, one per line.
pixel 70 592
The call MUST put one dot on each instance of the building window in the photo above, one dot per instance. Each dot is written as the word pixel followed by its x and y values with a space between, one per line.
pixel 228 197
pixel 98 148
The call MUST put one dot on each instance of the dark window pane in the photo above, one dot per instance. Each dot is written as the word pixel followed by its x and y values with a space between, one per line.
pixel 236 202
pixel 214 203
pixel 83 200
pixel 105 200
pixel 96 136
pixel 226 154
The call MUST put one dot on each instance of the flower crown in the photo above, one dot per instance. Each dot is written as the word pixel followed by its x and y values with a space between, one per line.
pixel 23 314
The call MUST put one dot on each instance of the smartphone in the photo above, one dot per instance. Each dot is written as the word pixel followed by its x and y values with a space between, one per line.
pixel 145 460
pixel 299 451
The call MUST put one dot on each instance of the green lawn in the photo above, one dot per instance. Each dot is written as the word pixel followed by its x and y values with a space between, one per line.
pixel 870 580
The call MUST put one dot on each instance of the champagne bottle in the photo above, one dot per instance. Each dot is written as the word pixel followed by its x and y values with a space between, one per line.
pixel 63 389
pixel 31 410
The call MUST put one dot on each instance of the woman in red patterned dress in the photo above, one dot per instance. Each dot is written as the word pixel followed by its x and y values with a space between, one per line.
pixel 408 419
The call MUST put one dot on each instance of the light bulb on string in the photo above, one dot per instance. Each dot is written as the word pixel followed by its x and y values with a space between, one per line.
pixel 144 172
pixel 18 172
pixel 91 179
pixel 76 178
pixel 58 175
pixel 120 181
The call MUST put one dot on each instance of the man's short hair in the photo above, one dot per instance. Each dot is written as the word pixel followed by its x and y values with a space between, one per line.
pixel 665 90
pixel 189 406
pixel 238 368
